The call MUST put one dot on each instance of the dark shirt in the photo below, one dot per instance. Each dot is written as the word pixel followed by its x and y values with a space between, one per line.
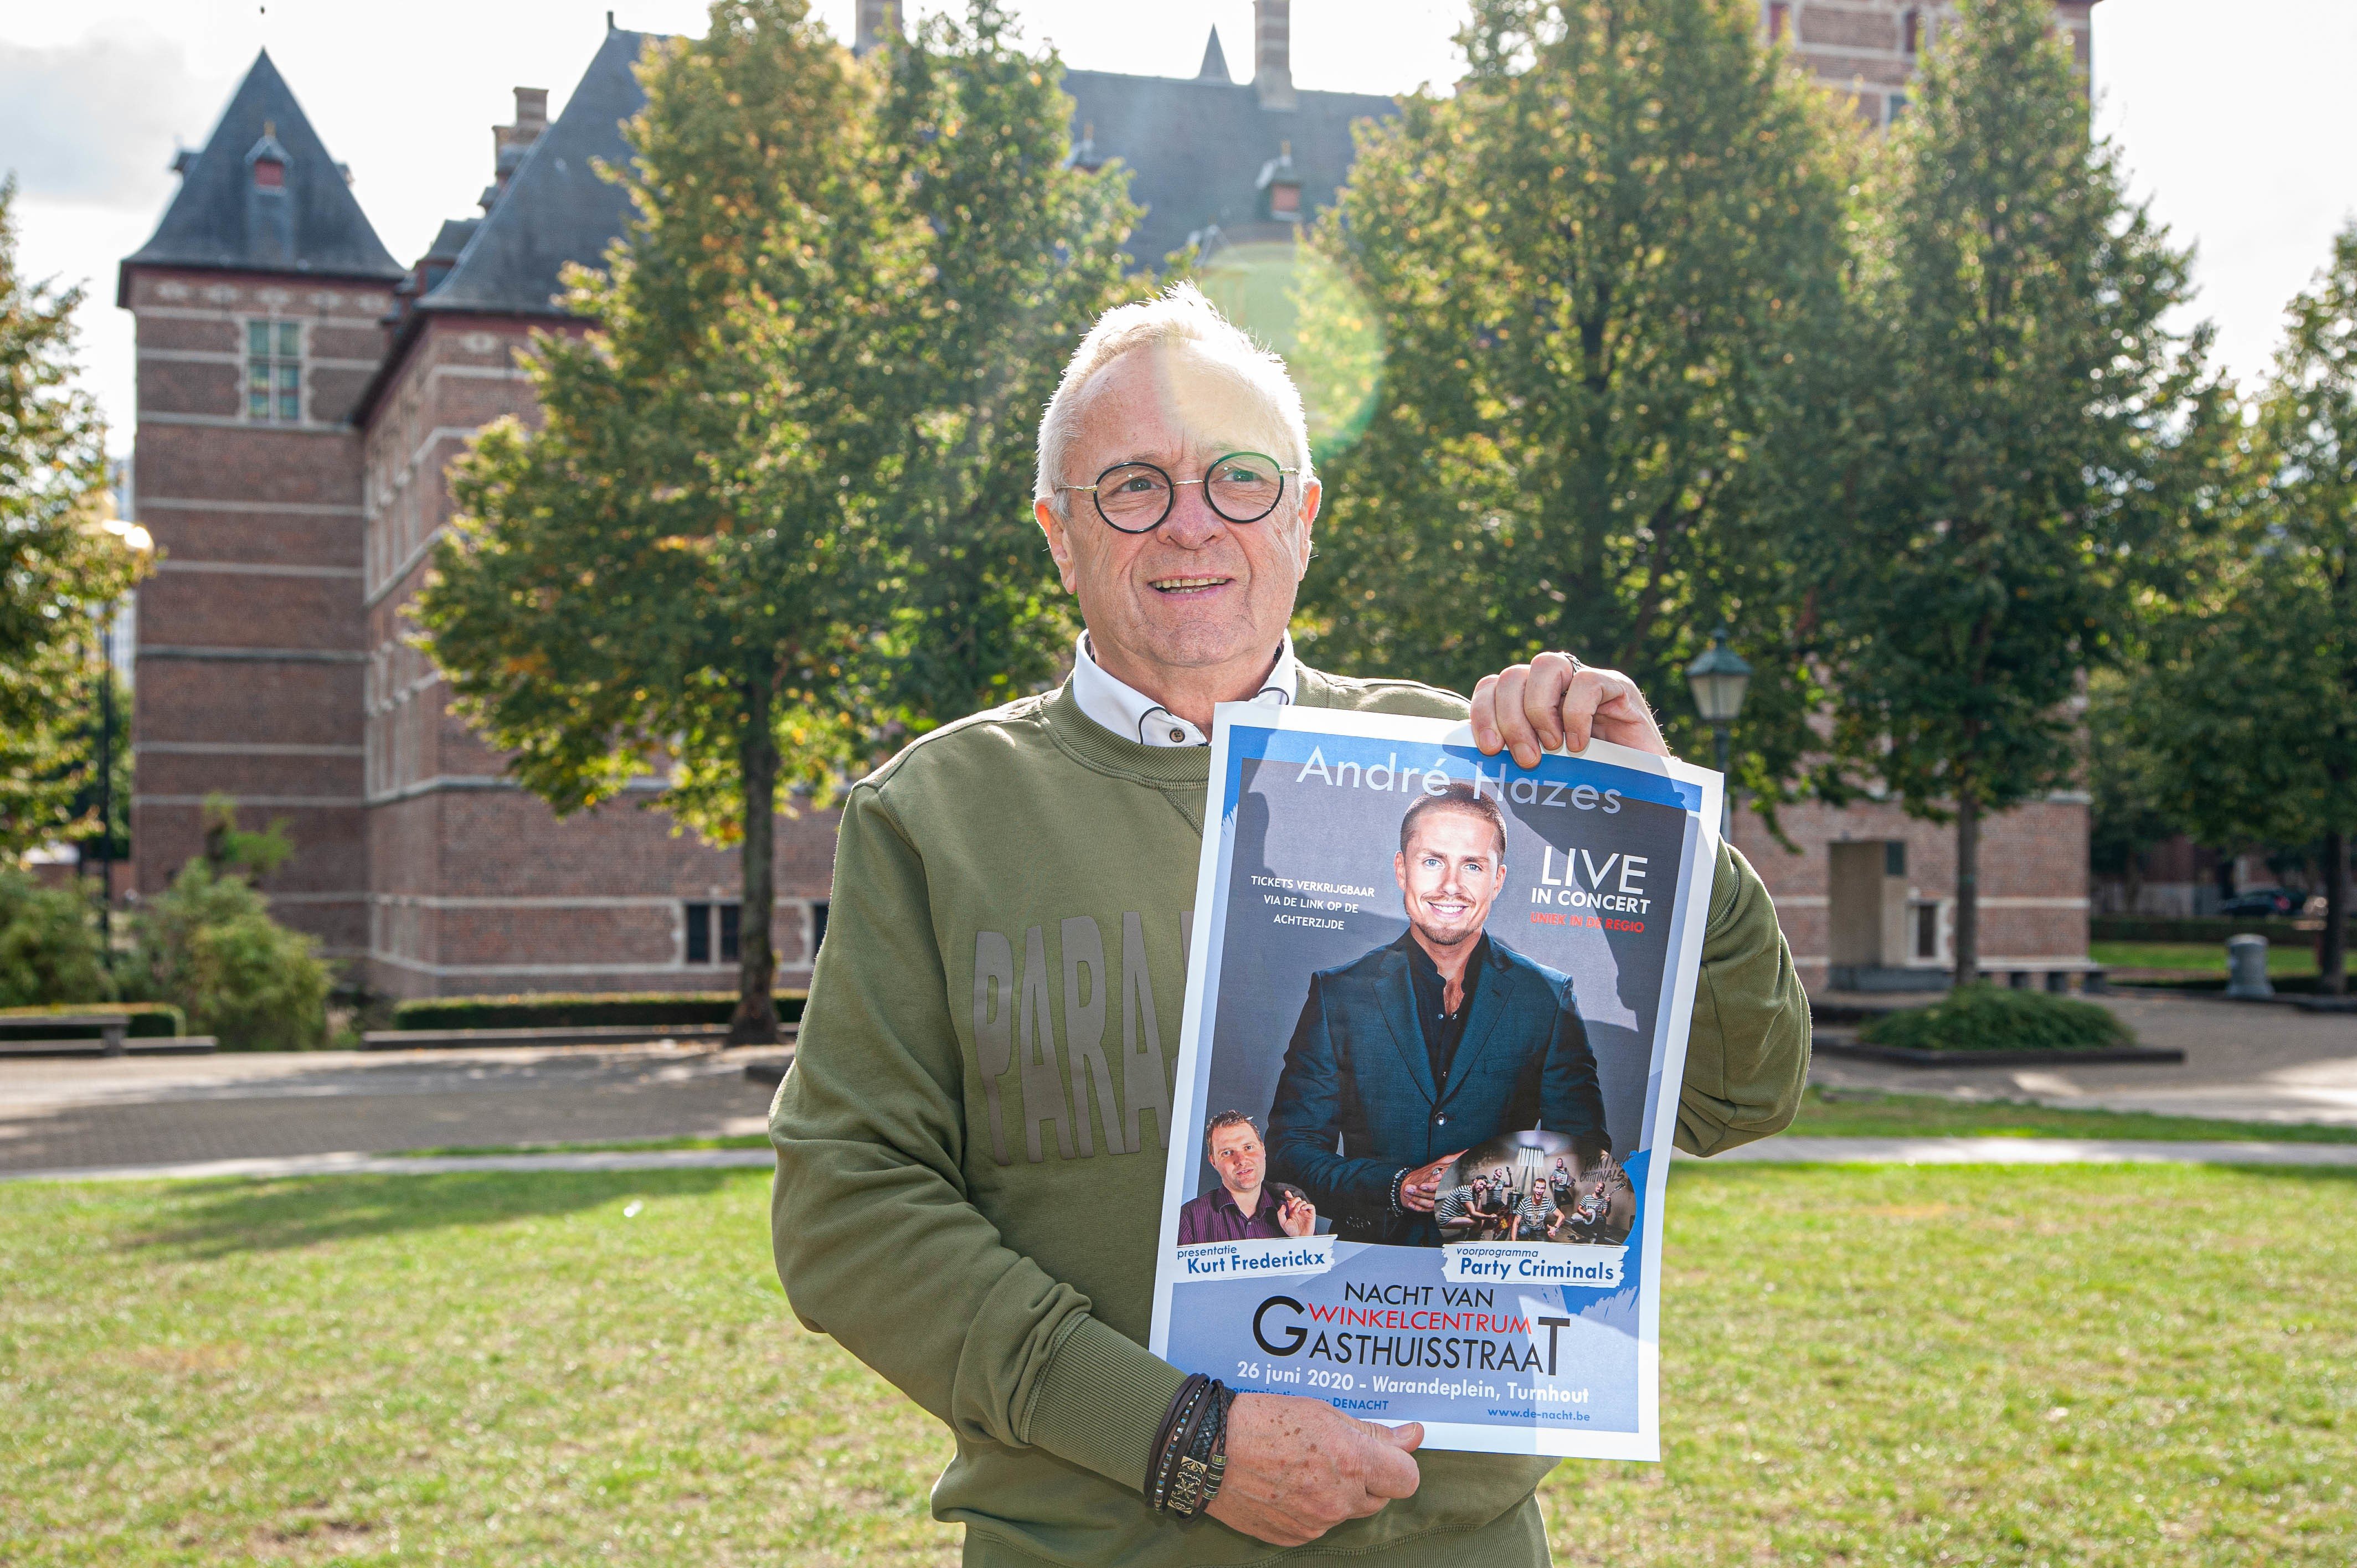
pixel 1215 1218
pixel 1442 1029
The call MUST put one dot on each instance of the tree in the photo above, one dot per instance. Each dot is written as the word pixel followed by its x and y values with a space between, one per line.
pixel 2250 707
pixel 2021 414
pixel 2127 814
pixel 1600 272
pixel 57 568
pixel 766 519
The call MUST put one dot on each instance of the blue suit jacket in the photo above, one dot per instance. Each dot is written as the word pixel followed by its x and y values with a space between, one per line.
pixel 1357 1074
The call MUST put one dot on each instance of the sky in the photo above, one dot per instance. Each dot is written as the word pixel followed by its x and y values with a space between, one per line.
pixel 2234 120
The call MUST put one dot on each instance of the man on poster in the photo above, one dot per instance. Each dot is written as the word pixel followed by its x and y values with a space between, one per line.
pixel 1245 1206
pixel 972 1138
pixel 1432 1044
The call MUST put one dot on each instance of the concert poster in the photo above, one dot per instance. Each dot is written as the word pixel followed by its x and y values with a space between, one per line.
pixel 1436 1023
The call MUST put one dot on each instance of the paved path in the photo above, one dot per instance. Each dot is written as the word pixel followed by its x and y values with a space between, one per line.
pixel 1781 1151
pixel 2243 1062
pixel 174 1111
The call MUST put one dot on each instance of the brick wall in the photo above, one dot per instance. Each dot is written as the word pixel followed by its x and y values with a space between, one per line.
pixel 249 645
pixel 1859 49
pixel 2033 879
pixel 476 886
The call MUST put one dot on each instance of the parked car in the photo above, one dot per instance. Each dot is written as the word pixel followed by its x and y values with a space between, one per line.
pixel 2260 904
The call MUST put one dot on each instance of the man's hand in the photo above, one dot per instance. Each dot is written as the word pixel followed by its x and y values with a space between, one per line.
pixel 1297 1467
pixel 1546 705
pixel 1421 1191
pixel 1296 1216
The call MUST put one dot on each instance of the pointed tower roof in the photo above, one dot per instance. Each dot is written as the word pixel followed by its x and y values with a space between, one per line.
pixel 557 207
pixel 1215 63
pixel 263 195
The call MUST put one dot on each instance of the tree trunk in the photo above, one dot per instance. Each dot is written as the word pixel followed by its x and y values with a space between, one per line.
pixel 2332 947
pixel 756 1020
pixel 1968 889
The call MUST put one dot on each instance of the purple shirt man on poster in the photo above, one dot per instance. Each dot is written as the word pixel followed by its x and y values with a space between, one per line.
pixel 1242 1207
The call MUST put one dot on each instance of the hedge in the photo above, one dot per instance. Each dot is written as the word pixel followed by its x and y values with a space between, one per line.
pixel 585 1010
pixel 2295 985
pixel 1999 1018
pixel 149 1021
pixel 2284 932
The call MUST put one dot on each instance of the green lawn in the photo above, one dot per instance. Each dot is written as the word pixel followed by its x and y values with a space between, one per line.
pixel 1864 1114
pixel 2292 953
pixel 2101 1366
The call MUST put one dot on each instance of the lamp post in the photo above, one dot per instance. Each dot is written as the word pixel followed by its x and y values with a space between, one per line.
pixel 142 546
pixel 1719 679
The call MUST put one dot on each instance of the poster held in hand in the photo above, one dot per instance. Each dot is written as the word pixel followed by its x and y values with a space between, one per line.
pixel 1436 1016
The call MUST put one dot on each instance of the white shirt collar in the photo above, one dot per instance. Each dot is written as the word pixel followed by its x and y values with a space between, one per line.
pixel 1132 714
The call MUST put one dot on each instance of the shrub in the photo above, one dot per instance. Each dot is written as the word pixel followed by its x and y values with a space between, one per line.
pixel 1993 1018
pixel 209 945
pixel 149 1021
pixel 48 945
pixel 563 1010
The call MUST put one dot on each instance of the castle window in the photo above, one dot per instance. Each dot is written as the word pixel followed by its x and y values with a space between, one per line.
pixel 274 370
pixel 712 932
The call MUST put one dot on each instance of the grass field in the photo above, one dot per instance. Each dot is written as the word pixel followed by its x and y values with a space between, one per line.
pixel 1864 1114
pixel 2103 1366
pixel 2292 953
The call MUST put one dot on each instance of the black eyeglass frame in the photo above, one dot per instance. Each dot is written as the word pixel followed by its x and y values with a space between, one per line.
pixel 1171 493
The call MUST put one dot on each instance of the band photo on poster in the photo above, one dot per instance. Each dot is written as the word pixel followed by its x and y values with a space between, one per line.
pixel 1432 1003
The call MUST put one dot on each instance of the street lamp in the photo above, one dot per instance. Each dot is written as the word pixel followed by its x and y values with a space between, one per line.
pixel 1719 679
pixel 142 546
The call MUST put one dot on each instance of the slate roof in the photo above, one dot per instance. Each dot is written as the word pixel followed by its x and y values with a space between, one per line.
pixel 218 219
pixel 1197 147
pixel 557 207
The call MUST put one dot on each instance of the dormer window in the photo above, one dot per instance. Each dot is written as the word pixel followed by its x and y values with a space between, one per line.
pixel 1281 186
pixel 274 371
pixel 267 159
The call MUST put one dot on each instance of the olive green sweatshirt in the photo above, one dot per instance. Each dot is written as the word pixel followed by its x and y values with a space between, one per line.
pixel 970 1171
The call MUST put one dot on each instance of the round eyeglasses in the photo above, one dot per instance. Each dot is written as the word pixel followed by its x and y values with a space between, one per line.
pixel 1243 487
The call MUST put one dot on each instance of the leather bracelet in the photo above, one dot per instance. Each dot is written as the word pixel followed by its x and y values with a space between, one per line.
pixel 1203 1461
pixel 1168 1442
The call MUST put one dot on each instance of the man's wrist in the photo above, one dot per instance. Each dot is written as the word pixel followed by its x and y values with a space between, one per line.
pixel 1399 1182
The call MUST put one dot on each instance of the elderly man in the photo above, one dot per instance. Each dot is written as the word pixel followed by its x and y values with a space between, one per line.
pixel 972 1143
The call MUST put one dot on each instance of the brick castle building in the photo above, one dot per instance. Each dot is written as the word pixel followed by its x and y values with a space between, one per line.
pixel 300 397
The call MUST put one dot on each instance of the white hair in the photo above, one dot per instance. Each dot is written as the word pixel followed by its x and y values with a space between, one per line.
pixel 1179 315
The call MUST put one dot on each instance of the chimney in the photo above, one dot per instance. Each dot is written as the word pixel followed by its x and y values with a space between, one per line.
pixel 878 24
pixel 510 143
pixel 1272 53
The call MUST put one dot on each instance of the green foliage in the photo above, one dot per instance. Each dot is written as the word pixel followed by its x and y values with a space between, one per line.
pixel 149 1021
pixel 585 1010
pixel 56 568
pixel 207 945
pixel 1601 274
pixel 49 950
pixel 2020 419
pixel 777 510
pixel 2128 811
pixel 2249 707
pixel 1996 1018
pixel 230 849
